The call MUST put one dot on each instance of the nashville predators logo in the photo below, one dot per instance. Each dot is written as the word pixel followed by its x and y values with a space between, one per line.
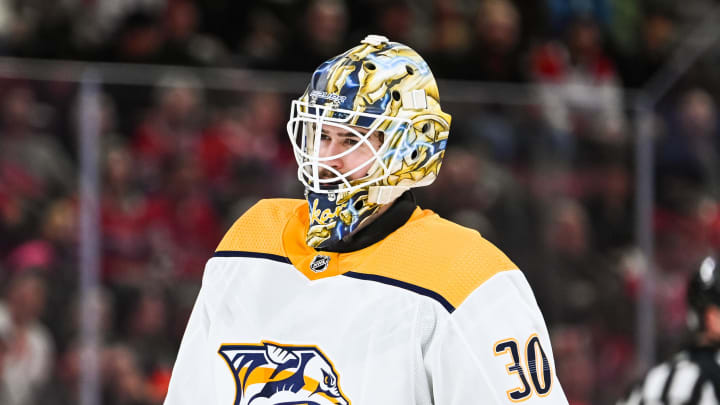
pixel 274 374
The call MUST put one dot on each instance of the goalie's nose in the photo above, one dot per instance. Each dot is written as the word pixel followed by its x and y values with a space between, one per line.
pixel 331 148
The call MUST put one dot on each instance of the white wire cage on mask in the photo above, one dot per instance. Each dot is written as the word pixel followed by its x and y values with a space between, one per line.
pixel 315 167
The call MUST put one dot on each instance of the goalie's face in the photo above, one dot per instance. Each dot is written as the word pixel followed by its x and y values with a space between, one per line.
pixel 341 150
pixel 351 152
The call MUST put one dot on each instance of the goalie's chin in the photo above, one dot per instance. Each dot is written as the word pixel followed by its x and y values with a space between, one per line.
pixel 331 186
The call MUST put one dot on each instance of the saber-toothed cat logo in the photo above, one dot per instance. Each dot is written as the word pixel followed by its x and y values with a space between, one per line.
pixel 273 374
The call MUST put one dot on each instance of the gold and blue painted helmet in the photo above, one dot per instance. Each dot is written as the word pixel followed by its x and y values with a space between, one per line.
pixel 377 90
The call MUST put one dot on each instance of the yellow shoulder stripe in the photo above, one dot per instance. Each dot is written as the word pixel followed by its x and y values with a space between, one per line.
pixel 259 230
pixel 442 259
pixel 437 255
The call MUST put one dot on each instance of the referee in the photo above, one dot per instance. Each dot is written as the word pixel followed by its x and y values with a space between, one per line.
pixel 693 375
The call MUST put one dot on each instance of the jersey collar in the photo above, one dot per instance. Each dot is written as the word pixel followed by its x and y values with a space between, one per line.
pixel 345 255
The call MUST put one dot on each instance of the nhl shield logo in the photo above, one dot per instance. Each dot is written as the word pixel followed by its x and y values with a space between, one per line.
pixel 320 263
pixel 273 374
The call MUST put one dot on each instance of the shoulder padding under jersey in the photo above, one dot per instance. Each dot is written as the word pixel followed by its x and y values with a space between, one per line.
pixel 438 255
pixel 260 228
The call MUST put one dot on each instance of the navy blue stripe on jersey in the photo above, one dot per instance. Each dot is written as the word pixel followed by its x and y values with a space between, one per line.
pixel 371 277
pixel 256 255
pixel 401 284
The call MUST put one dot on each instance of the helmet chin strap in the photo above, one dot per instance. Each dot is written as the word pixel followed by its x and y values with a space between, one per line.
pixel 336 216
pixel 385 194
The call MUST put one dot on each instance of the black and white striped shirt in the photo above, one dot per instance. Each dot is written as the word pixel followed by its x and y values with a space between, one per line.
pixel 690 377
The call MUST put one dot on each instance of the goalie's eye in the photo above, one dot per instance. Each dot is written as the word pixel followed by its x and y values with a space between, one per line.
pixel 350 141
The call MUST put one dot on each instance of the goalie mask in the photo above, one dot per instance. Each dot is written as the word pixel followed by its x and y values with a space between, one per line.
pixel 368 128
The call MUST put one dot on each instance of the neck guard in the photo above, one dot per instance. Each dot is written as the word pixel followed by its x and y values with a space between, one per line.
pixel 386 223
pixel 335 216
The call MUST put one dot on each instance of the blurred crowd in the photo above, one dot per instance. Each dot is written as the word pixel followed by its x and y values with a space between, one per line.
pixel 550 180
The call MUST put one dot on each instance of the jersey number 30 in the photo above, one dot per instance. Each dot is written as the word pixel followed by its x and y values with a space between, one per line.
pixel 536 365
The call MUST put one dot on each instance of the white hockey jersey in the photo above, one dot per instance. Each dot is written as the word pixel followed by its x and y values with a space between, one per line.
pixel 432 314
